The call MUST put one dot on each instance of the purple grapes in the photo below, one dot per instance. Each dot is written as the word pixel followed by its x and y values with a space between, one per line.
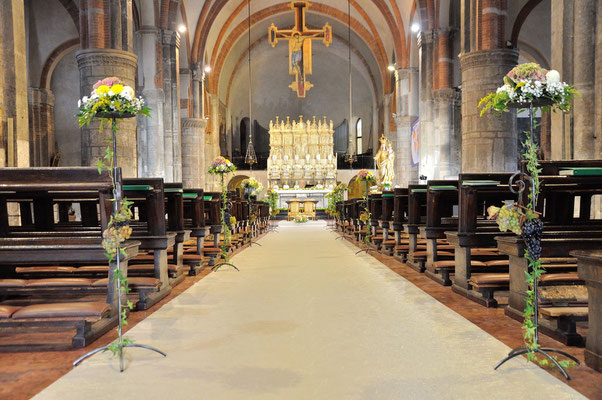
pixel 532 230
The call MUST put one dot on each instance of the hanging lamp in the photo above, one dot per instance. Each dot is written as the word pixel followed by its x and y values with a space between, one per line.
pixel 350 155
pixel 250 156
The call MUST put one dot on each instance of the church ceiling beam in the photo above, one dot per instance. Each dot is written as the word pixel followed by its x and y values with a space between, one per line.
pixel 333 13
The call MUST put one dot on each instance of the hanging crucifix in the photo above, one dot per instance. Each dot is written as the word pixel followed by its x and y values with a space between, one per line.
pixel 299 45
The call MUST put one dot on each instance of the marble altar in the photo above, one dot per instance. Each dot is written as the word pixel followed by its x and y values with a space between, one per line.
pixel 303 195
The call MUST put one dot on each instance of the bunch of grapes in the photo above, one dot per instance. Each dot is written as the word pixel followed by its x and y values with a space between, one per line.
pixel 532 230
pixel 508 219
pixel 114 235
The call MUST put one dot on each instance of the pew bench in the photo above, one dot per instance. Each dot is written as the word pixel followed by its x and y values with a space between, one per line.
pixel 90 320
pixel 76 287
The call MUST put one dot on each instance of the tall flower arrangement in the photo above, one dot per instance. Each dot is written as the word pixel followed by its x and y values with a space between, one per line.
pixel 273 202
pixel 530 86
pixel 111 100
pixel 221 166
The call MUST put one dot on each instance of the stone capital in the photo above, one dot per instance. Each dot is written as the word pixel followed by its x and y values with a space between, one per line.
pixel 492 57
pixel 199 123
pixel 403 120
pixel 106 57
pixel 426 37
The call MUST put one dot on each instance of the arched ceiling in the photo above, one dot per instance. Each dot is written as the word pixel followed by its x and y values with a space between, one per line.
pixel 217 30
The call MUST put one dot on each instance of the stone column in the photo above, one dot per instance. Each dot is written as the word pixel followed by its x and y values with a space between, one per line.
pixel 445 145
pixel 489 143
pixel 151 158
pixel 193 157
pixel 168 106
pixel 404 171
pixel 584 129
pixel 41 126
pixel 96 64
pixel 427 156
pixel 562 60
pixel 14 120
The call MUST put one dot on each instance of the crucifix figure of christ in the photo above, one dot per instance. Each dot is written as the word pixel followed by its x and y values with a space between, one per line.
pixel 299 45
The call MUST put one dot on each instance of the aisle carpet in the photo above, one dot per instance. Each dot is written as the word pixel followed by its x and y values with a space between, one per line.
pixel 307 319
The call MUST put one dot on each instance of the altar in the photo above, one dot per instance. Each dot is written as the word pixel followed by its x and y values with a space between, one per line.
pixel 319 195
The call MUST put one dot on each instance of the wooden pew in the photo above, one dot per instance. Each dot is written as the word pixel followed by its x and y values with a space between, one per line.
pixel 416 217
pixel 441 198
pixel 36 190
pixel 385 222
pixel 590 270
pixel 148 197
pixel 400 217
pixel 476 193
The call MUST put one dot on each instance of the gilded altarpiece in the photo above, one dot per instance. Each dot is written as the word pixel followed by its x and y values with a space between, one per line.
pixel 301 154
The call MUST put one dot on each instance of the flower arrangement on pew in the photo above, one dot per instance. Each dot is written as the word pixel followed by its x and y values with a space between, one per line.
pixel 528 86
pixel 299 219
pixel 109 101
pixel 273 202
pixel 364 175
pixel 221 166
pixel 252 186
pixel 335 196
pixel 365 219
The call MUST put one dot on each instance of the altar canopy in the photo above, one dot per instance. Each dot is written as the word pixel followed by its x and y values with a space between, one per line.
pixel 301 154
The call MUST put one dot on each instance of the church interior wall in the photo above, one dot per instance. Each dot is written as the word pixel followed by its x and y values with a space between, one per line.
pixel 272 96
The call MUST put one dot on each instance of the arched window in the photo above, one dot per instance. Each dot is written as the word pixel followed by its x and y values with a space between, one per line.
pixel 358 137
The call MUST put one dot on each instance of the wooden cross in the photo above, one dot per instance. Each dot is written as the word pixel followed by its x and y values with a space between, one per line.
pixel 299 45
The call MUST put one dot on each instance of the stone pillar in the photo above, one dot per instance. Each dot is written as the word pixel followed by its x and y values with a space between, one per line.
pixel 405 173
pixel 41 126
pixel 445 142
pixel 193 157
pixel 427 156
pixel 562 60
pixel 96 64
pixel 151 157
pixel 168 106
pixel 584 129
pixel 386 115
pixel 14 120
pixel 489 143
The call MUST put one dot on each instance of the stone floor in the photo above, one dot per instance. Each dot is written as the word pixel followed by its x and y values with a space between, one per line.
pixel 305 318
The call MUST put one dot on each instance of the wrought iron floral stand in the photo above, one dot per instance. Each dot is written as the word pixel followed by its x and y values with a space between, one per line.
pixel 117 197
pixel 224 226
pixel 522 184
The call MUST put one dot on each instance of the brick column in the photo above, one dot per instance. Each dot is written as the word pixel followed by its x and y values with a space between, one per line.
pixel 193 155
pixel 96 64
pixel 14 120
pixel 489 143
pixel 41 126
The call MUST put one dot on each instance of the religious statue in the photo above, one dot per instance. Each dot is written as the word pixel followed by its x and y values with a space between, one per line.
pixel 300 38
pixel 385 161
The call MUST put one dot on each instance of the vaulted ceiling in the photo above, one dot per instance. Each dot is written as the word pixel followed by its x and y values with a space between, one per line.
pixel 217 30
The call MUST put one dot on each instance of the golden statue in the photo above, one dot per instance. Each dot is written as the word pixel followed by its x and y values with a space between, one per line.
pixel 385 161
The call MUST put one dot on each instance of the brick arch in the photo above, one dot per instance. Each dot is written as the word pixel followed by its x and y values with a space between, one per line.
pixel 263 38
pixel 53 59
pixel 241 28
pixel 520 19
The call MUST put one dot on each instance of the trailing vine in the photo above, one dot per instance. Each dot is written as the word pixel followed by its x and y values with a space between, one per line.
pixel 524 84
